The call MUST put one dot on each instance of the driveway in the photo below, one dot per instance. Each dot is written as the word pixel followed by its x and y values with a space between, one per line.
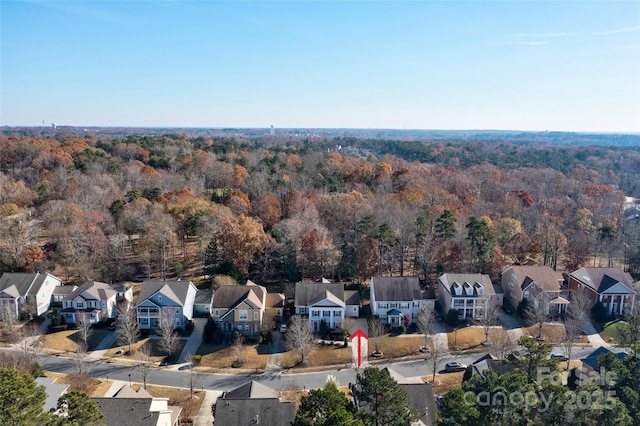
pixel 194 341
pixel 276 352
pixel 592 334
pixel 511 326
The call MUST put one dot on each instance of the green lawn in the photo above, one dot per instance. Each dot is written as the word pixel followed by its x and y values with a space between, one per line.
pixel 611 330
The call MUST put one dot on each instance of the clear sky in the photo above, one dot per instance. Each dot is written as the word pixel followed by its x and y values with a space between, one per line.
pixel 507 65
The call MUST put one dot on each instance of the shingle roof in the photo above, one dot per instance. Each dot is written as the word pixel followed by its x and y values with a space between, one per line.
pixel 470 280
pixel 24 283
pixel 242 412
pixel 600 279
pixel 328 296
pixel 421 398
pixel 251 389
pixel 54 391
pixel 127 391
pixel 127 411
pixel 352 297
pixel 275 300
pixel 93 290
pixel 592 359
pixel 306 292
pixel 396 288
pixel 545 277
pixel 176 290
pixel 204 296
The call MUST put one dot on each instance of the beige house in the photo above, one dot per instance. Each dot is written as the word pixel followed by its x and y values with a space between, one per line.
pixel 245 307
pixel 469 294
pixel 524 282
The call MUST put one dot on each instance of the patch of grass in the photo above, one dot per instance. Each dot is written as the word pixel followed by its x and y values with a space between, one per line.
pixel 471 337
pixel 398 346
pixel 445 382
pixel 100 390
pixel 222 356
pixel 553 333
pixel 61 341
pixel 323 355
pixel 182 397
pixel 612 330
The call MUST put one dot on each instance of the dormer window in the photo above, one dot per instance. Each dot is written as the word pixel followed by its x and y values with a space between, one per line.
pixel 468 290
pixel 479 289
pixel 456 289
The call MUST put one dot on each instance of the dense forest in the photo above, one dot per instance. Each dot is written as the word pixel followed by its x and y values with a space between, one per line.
pixel 276 208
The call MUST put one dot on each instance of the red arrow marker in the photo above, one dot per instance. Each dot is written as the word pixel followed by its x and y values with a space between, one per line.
pixel 360 335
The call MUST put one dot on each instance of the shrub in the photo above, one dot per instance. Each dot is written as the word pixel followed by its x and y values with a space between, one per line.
pixel 323 329
pixel 197 359
pixel 9 209
pixel 452 317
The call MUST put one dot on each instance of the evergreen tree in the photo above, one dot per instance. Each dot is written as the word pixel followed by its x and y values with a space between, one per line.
pixel 381 401
pixel 21 399
pixel 326 407
pixel 445 226
pixel 81 410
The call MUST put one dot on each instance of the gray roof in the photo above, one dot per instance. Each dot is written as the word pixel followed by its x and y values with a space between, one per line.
pixel 64 289
pixel 242 412
pixel 228 296
pixel 600 279
pixel 421 398
pixel 24 283
pixel 352 297
pixel 251 389
pixel 204 296
pixel 179 289
pixel 499 366
pixel 396 288
pixel 127 411
pixel 54 391
pixel 468 280
pixel 307 292
pixel 93 290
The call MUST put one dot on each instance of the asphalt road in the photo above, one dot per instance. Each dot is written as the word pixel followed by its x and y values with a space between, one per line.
pixel 275 380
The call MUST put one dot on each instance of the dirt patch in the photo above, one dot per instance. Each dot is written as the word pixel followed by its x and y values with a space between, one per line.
pixel 222 356
pixel 445 382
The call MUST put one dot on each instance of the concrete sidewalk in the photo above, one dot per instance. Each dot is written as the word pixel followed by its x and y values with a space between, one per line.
pixel 205 415
pixel 594 337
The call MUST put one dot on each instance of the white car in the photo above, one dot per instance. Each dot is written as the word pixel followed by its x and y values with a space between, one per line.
pixel 283 328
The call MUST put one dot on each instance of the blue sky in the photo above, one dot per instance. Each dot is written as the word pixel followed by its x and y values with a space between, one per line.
pixel 508 65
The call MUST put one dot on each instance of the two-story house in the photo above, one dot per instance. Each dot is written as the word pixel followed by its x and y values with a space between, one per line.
pixel 397 300
pixel 245 307
pixel 328 302
pixel 94 300
pixel 27 292
pixel 469 294
pixel 162 300
pixel 524 282
pixel 611 286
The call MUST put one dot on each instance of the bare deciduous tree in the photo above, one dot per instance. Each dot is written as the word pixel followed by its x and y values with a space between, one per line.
pixel 84 328
pixel 238 349
pixel 169 339
pixel 30 344
pixel 192 379
pixel 8 320
pixel 145 363
pixel 424 322
pixel 572 330
pixel 488 317
pixel 377 328
pixel 580 305
pixel 501 343
pixel 436 354
pixel 538 310
pixel 127 323
pixel 300 337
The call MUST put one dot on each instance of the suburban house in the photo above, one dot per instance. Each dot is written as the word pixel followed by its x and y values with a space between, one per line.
pixel 54 392
pixel 129 407
pixel 611 286
pixel 245 307
pixel 469 294
pixel 27 292
pixel 95 301
pixel 524 282
pixel 163 299
pixel 398 300
pixel 326 301
pixel 253 404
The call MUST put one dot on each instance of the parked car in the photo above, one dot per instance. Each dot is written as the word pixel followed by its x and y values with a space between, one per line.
pixel 454 366
pixel 559 356
pixel 283 328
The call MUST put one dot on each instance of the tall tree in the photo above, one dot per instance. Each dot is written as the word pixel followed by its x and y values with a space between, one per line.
pixel 299 337
pixel 169 339
pixel 21 399
pixel 380 400
pixel 481 240
pixel 326 407
pixel 79 409
pixel 127 323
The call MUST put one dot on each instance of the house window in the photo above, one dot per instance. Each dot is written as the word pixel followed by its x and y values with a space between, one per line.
pixel 315 313
pixel 394 305
pixel 355 309
pixel 80 305
pixel 159 298
pixel 526 294
pixel 217 313
pixel 337 313
pixel 243 316
pixel 255 316
pixel 326 313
